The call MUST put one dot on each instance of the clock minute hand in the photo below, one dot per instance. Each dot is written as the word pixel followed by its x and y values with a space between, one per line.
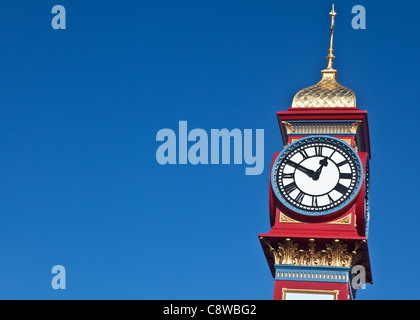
pixel 310 173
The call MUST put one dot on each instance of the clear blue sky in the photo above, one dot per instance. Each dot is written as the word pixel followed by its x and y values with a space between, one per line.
pixel 80 108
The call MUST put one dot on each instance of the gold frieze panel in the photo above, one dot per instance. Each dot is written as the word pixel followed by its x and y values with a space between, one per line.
pixel 283 218
pixel 331 254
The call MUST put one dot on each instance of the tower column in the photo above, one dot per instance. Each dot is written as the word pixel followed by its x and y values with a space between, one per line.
pixel 319 194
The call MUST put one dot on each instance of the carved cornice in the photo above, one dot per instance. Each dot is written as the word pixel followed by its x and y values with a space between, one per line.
pixel 320 127
pixel 333 254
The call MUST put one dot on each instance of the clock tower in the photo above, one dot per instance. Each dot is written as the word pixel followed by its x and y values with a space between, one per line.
pixel 319 194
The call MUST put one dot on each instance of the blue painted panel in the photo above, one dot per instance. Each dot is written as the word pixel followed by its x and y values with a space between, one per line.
pixel 313 274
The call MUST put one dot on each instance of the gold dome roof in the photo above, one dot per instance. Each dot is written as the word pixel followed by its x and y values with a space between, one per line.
pixel 327 93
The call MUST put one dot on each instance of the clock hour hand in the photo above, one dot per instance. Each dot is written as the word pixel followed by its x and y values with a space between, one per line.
pixel 310 173
pixel 323 163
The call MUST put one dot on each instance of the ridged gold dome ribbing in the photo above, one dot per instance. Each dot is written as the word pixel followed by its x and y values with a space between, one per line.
pixel 327 93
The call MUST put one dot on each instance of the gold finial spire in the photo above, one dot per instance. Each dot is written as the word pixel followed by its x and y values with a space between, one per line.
pixel 331 56
pixel 327 93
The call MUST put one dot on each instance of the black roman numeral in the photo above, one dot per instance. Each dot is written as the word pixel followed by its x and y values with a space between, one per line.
pixel 290 187
pixel 314 201
pixel 340 188
pixel 330 199
pixel 346 176
pixel 304 154
pixel 300 196
pixel 288 176
pixel 318 151
pixel 331 155
pixel 342 163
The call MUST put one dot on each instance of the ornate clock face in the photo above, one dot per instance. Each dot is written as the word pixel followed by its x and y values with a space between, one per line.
pixel 317 175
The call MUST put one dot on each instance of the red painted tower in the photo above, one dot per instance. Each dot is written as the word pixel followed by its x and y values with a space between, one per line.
pixel 319 194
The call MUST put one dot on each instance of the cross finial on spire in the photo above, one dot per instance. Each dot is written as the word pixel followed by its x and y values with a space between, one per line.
pixel 331 56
